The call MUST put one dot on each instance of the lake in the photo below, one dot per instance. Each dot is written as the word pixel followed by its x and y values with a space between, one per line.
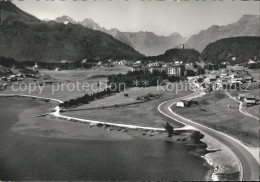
pixel 40 148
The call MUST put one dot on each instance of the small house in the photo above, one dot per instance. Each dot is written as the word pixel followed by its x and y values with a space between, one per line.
pixel 211 78
pixel 251 61
pixel 20 79
pixel 84 61
pixel 180 104
pixel 248 79
pixel 241 96
pixel 238 68
pixel 249 100
pixel 4 78
pixel 35 66
pixel 12 78
pixel 3 86
pixel 186 103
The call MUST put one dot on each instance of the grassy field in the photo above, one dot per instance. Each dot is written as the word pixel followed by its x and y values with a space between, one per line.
pixel 62 91
pixel 214 112
pixel 67 79
pixel 142 114
pixel 252 89
pixel 120 98
pixel 254 73
pixel 93 74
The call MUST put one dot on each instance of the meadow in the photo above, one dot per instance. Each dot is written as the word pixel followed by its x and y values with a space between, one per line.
pixel 219 112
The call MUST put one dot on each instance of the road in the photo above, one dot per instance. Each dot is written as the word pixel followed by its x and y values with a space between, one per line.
pixel 250 167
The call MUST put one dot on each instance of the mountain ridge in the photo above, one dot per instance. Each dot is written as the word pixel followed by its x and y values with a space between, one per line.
pixel 24 37
pixel 145 42
pixel 247 25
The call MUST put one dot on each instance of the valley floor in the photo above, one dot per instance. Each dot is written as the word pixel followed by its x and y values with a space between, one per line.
pixel 213 111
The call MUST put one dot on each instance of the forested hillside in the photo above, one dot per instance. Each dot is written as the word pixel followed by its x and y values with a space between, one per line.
pixel 24 37
pixel 233 50
pixel 186 55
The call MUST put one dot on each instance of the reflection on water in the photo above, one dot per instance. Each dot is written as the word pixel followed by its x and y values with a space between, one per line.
pixel 45 149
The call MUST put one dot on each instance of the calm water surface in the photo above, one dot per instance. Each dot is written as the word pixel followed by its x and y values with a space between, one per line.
pixel 48 149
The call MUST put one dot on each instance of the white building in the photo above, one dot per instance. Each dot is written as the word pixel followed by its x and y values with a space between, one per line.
pixel 251 61
pixel 35 66
pixel 173 71
pixel 180 104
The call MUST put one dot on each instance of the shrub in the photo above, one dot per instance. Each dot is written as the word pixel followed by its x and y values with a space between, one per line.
pixel 196 135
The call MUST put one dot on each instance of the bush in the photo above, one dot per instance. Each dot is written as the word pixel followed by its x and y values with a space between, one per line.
pixel 196 135
pixel 200 80
pixel 169 129
pixel 220 95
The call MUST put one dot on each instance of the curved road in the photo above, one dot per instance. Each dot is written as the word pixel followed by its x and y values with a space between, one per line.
pixel 250 167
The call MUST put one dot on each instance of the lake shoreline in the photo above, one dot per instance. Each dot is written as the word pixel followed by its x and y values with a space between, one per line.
pixel 148 130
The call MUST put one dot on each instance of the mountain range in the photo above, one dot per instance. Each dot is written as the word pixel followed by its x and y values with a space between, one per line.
pixel 150 44
pixel 25 37
pixel 248 25
pixel 145 42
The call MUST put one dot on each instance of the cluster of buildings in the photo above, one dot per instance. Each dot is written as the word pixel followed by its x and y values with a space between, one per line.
pixel 225 78
pixel 176 68
pixel 14 77
pixel 236 77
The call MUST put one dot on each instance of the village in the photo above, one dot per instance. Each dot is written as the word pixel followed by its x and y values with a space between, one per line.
pixel 229 78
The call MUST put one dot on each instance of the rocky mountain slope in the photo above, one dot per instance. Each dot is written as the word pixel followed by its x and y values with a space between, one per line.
pixel 145 42
pixel 248 25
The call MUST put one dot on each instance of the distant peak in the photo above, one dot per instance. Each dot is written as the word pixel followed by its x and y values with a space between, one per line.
pixel 174 34
pixel 14 11
pixel 89 20
pixel 213 27
pixel 65 19
pixel 8 5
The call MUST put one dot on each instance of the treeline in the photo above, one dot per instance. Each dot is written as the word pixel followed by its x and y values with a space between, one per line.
pixel 141 78
pixel 185 55
pixel 9 63
pixel 86 99
pixel 119 83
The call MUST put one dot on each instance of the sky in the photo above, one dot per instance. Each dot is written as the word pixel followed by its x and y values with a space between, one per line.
pixel 160 17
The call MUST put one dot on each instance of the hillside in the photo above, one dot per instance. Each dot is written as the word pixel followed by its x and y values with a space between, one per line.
pixel 186 55
pixel 146 43
pixel 248 25
pixel 24 37
pixel 9 10
pixel 242 48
